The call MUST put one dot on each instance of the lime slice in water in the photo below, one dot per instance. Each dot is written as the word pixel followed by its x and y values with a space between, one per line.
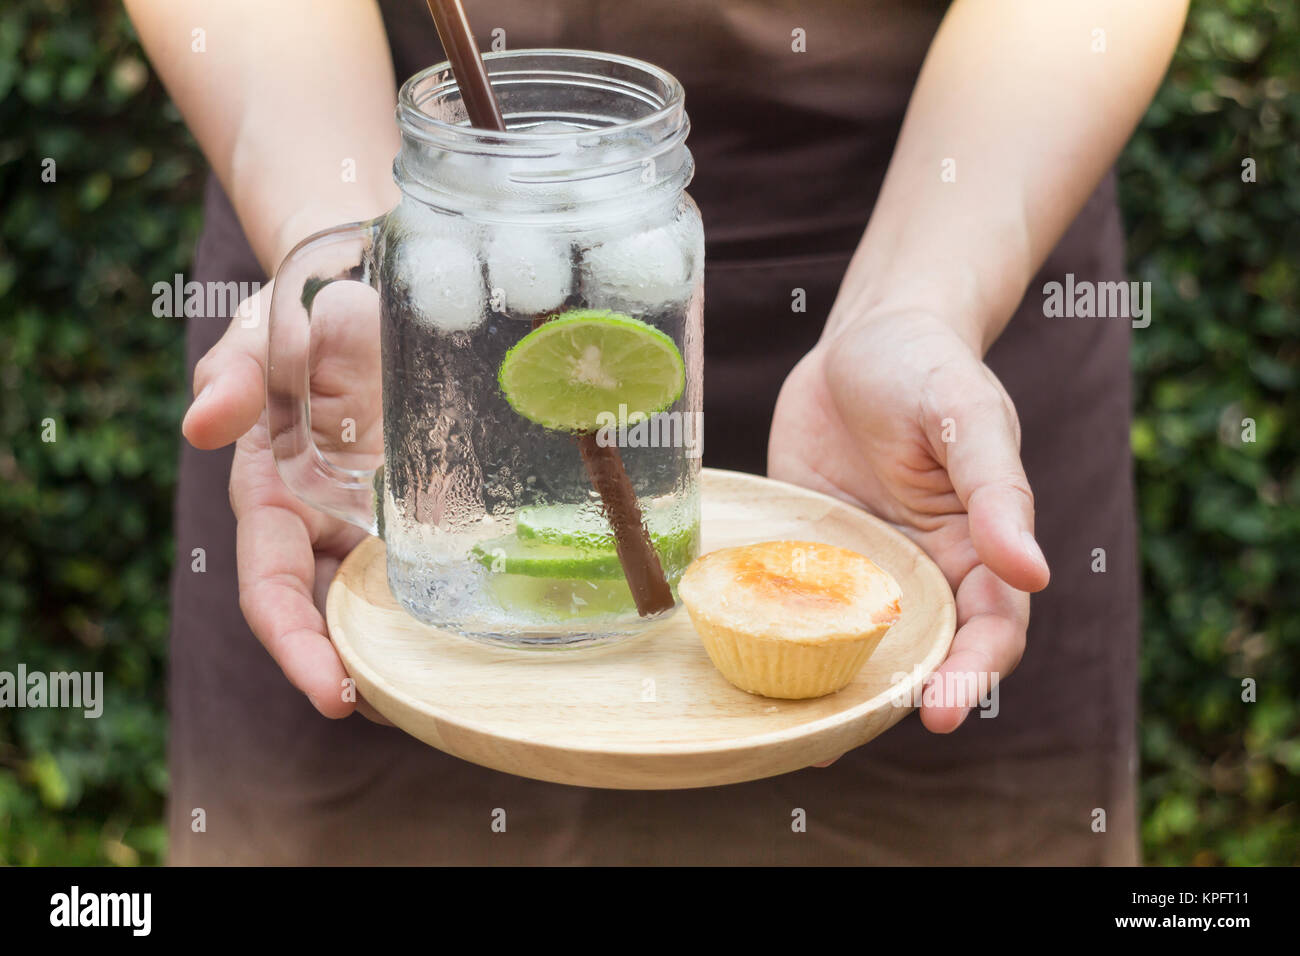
pixel 585 527
pixel 566 373
pixel 544 559
pixel 560 599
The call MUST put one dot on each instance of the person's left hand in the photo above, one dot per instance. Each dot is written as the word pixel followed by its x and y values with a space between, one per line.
pixel 898 415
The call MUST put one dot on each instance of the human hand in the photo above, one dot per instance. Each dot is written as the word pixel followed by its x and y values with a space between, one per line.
pixel 897 414
pixel 287 552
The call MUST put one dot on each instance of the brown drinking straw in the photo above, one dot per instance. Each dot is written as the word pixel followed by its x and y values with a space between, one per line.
pixel 641 567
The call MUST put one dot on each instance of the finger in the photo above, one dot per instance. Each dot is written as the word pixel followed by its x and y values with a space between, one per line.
pixel 229 384
pixel 345 371
pixel 990 640
pixel 826 763
pixel 344 338
pixel 276 576
pixel 982 455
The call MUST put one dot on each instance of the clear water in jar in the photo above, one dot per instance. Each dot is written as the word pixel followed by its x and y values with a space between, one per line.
pixel 466 476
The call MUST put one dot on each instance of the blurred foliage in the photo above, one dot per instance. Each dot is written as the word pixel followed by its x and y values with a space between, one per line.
pixel 86 548
pixel 85 552
pixel 1220 515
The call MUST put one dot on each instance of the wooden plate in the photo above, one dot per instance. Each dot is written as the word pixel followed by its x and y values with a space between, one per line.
pixel 651 713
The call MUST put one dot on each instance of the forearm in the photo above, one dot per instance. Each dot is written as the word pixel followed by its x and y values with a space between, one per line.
pixel 1013 121
pixel 281 98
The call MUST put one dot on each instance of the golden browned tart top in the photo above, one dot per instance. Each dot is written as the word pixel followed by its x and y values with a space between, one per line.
pixel 801 591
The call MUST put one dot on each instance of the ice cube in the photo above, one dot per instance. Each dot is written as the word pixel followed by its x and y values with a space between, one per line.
pixel 528 271
pixel 640 270
pixel 444 282
pixel 572 194
pixel 553 126
pixel 412 219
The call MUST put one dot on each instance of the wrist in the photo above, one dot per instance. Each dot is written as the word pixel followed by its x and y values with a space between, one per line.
pixel 303 221
pixel 972 291
pixel 953 303
pixel 278 207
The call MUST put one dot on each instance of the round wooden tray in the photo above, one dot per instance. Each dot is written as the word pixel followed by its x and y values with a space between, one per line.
pixel 651 713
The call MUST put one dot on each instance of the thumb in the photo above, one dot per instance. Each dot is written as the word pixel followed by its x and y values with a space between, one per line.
pixel 229 382
pixel 981 451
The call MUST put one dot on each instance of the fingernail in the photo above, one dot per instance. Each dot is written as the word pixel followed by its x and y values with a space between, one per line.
pixel 1032 548
pixel 313 700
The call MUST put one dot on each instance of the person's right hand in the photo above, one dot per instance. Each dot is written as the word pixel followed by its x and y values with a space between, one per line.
pixel 897 414
pixel 287 552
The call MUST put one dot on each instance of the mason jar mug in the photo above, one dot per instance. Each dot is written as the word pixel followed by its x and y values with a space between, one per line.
pixel 523 427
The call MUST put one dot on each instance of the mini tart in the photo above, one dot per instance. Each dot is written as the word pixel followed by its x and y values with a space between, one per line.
pixel 789 619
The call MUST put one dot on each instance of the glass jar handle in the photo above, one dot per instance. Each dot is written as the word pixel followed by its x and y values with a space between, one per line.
pixel 342 253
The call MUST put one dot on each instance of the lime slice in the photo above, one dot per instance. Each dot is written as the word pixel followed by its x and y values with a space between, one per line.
pixel 543 559
pixel 577 525
pixel 537 557
pixel 560 599
pixel 567 372
pixel 585 527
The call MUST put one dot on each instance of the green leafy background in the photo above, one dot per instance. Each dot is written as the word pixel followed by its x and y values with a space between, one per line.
pixel 85 543
pixel 1220 516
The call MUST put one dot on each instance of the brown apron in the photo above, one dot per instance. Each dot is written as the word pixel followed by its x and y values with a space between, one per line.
pixel 790 149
